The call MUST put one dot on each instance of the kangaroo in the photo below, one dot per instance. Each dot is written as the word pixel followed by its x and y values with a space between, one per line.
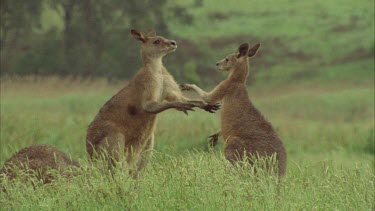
pixel 38 158
pixel 126 123
pixel 243 127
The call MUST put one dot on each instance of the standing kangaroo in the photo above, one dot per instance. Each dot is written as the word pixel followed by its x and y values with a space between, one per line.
pixel 246 131
pixel 126 123
pixel 38 158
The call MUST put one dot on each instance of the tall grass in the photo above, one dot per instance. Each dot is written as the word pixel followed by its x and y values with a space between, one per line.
pixel 201 181
pixel 327 128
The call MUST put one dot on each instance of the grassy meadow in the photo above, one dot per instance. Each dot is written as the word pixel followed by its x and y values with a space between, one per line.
pixel 327 129
pixel 313 79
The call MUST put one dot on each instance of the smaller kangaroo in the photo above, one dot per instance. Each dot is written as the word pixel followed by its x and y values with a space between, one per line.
pixel 38 158
pixel 243 127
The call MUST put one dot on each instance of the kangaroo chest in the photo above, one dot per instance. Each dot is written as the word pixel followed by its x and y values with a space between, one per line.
pixel 156 87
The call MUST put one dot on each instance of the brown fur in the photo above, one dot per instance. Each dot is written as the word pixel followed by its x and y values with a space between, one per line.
pixel 126 123
pixel 38 158
pixel 243 127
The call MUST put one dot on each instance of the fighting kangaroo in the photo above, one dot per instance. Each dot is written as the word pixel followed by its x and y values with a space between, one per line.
pixel 126 123
pixel 244 129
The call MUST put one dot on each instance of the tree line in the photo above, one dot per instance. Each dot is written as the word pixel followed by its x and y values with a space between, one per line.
pixel 94 39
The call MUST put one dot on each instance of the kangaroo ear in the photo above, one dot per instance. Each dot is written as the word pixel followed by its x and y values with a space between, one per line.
pixel 253 50
pixel 151 33
pixel 243 49
pixel 138 35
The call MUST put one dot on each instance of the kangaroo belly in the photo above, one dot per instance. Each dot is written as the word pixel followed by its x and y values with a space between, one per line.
pixel 137 134
pixel 134 133
pixel 234 117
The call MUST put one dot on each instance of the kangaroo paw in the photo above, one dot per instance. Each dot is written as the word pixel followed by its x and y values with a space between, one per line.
pixel 212 108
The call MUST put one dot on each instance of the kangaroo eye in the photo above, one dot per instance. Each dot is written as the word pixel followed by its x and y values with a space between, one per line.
pixel 156 42
pixel 226 59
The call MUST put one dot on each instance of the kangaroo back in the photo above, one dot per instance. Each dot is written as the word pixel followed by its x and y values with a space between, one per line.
pixel 38 159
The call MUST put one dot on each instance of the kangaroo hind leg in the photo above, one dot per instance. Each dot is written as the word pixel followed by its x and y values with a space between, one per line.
pixel 145 156
pixel 111 148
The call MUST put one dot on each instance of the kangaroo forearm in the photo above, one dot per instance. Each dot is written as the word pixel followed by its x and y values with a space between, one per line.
pixel 208 98
pixel 211 98
pixel 197 103
pixel 155 107
pixel 175 95
pixel 199 91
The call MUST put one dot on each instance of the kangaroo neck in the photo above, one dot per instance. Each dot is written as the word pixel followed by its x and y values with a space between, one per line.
pixel 153 64
pixel 240 73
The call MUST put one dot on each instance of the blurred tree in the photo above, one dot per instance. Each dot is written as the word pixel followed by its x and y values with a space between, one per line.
pixel 94 39
pixel 68 32
pixel 93 33
pixel 17 21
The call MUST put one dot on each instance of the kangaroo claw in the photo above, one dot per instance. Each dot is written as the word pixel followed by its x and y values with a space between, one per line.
pixel 212 108
pixel 213 140
pixel 186 110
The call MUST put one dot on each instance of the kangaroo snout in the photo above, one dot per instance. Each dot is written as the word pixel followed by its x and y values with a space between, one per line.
pixel 173 44
pixel 219 66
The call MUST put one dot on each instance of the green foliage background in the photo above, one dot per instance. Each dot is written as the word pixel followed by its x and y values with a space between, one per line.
pixel 300 40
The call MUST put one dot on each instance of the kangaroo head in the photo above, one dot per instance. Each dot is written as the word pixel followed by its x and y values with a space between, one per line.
pixel 234 60
pixel 152 45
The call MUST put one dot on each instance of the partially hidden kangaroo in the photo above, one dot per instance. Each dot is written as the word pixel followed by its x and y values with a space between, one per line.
pixel 243 127
pixel 126 123
pixel 39 159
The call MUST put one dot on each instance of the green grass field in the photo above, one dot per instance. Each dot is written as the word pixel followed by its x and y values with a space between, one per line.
pixel 327 128
pixel 313 79
pixel 301 40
